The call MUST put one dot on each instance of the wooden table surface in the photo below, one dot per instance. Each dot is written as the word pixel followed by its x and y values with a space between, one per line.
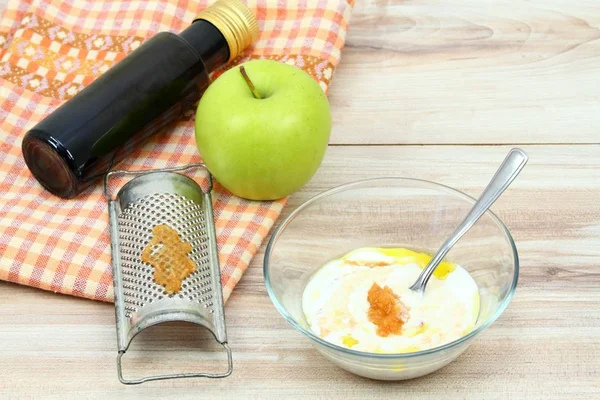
pixel 437 90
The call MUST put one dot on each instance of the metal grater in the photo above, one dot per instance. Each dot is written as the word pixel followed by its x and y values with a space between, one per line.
pixel 155 197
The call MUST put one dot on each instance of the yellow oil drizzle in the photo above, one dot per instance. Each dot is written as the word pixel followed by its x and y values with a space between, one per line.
pixel 349 341
pixel 405 256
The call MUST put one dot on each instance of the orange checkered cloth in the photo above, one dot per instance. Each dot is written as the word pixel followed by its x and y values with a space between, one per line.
pixel 49 50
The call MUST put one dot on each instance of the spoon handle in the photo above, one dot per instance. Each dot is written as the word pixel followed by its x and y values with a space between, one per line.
pixel 508 171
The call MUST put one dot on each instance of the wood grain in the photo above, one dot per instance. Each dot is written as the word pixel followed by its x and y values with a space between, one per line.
pixel 469 71
pixel 413 72
pixel 545 346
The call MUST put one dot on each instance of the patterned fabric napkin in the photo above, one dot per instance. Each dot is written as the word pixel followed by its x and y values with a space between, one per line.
pixel 50 50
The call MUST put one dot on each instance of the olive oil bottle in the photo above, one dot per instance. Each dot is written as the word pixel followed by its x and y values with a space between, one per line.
pixel 137 98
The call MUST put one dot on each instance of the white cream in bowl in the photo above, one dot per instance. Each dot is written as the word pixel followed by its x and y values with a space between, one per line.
pixel 336 305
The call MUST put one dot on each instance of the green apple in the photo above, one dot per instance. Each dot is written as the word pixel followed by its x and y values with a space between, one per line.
pixel 262 129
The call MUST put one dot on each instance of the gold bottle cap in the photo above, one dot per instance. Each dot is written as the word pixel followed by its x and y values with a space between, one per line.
pixel 235 21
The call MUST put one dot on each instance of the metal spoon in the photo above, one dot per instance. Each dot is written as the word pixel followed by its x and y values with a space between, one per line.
pixel 508 171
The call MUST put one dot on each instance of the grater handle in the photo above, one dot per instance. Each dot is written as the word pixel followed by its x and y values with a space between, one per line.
pixel 175 376
pixel 147 171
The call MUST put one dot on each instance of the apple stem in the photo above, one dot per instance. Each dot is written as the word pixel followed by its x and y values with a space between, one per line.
pixel 249 82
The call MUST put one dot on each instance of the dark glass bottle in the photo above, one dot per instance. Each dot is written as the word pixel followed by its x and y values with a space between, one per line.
pixel 137 98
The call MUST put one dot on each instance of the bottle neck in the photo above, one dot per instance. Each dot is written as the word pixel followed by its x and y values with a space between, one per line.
pixel 209 43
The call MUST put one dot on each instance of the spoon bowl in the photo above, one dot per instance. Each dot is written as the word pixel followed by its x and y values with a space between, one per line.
pixel 387 212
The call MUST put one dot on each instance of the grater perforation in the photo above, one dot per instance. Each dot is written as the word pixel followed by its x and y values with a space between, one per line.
pixel 167 198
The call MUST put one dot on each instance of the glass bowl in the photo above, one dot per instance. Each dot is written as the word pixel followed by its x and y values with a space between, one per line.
pixel 389 212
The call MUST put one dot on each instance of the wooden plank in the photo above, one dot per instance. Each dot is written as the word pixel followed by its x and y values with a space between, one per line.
pixel 545 346
pixel 502 71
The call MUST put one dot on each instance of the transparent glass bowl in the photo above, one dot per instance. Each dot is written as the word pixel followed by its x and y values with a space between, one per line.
pixel 389 212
